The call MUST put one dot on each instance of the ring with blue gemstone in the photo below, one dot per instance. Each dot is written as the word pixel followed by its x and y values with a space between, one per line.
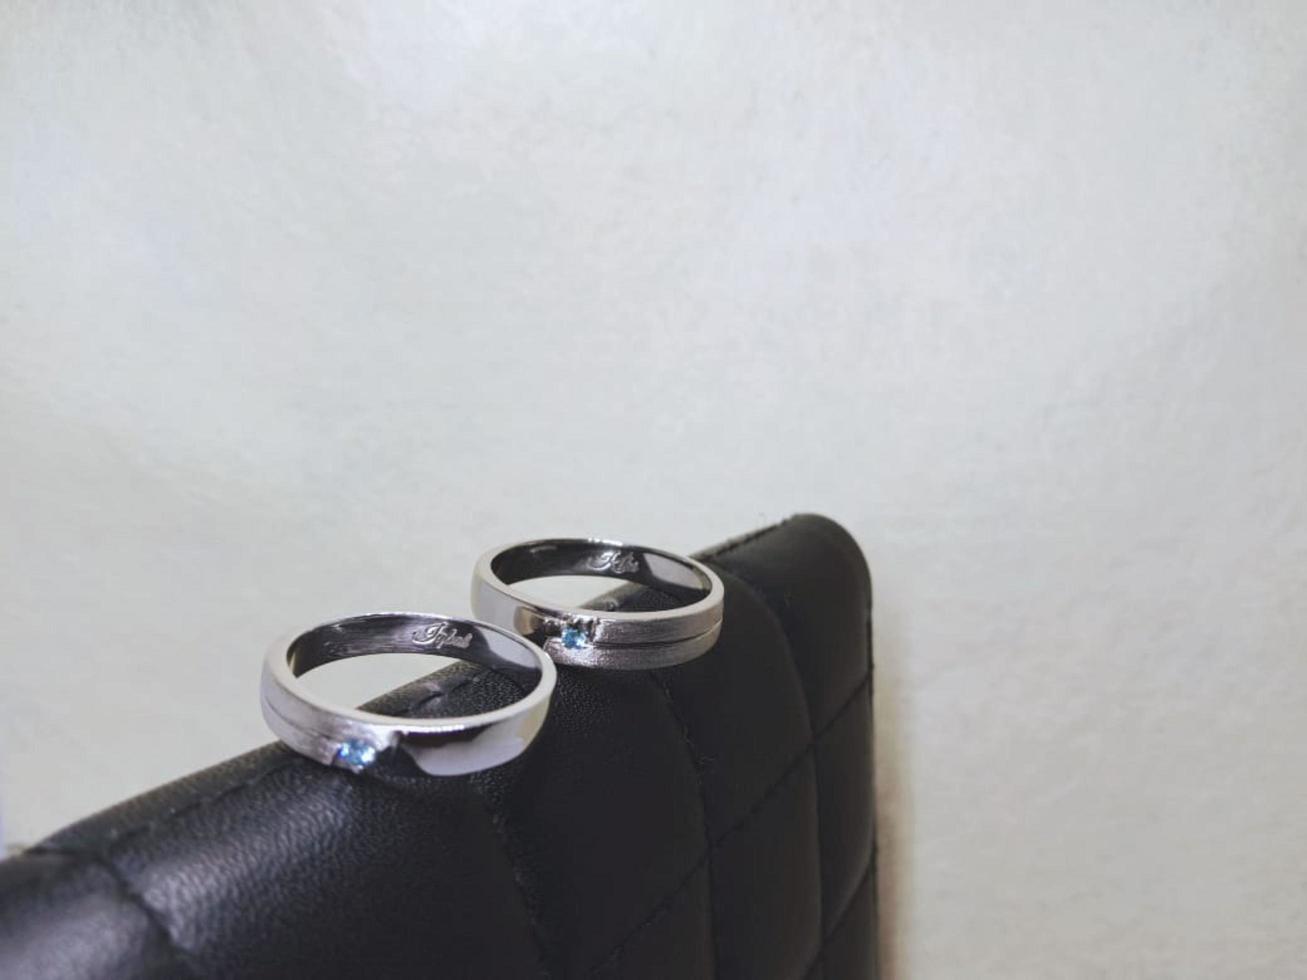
pixel 680 607
pixel 363 741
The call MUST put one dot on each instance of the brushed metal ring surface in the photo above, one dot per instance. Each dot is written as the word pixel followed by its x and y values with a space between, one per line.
pixel 354 739
pixel 581 637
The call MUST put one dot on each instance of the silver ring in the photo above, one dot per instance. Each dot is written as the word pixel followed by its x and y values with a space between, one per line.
pixel 358 740
pixel 582 637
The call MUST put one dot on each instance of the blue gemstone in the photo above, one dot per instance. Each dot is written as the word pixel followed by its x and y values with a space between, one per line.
pixel 574 639
pixel 356 754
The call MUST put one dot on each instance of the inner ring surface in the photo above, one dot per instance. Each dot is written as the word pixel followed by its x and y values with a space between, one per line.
pixel 377 633
pixel 654 569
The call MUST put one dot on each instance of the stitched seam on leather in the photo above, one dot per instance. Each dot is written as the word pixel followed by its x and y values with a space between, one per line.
pixel 150 826
pixel 436 695
pixel 869 872
pixel 693 753
pixel 706 858
pixel 532 917
pixel 863 881
pixel 81 858
pixel 152 915
pixel 791 767
pixel 726 547
pixel 814 740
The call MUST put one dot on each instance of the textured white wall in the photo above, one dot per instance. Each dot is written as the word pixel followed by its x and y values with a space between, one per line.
pixel 305 304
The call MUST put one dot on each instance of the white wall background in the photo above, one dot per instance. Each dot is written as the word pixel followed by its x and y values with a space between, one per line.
pixel 303 305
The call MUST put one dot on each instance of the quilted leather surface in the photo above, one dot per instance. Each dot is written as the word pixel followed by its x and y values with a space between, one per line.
pixel 709 820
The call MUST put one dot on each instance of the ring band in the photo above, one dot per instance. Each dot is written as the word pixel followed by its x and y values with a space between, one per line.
pixel 582 637
pixel 356 740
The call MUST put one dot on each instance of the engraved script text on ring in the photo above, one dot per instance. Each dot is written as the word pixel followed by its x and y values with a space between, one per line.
pixel 442 635
pixel 617 562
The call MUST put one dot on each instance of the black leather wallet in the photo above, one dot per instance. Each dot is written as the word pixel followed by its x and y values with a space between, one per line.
pixel 712 819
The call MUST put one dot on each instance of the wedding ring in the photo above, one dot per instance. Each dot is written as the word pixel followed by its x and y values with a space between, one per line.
pixel 357 740
pixel 581 637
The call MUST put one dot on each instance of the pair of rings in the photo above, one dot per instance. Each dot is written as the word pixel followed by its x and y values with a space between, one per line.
pixel 514 635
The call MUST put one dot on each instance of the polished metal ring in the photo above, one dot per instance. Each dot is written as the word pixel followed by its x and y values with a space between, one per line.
pixel 581 637
pixel 356 740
